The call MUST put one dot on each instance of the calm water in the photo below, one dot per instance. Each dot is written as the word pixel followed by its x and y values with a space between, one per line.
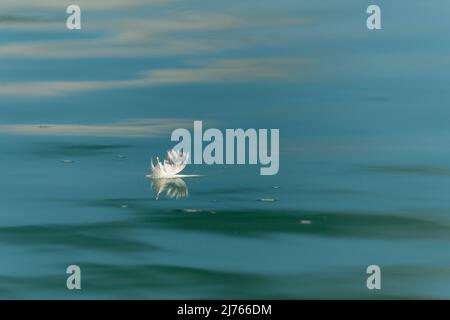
pixel 364 159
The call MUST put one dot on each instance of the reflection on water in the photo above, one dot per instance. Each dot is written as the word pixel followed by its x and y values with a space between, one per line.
pixel 174 188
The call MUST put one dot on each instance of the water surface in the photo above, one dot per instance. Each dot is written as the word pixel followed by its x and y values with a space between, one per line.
pixel 364 160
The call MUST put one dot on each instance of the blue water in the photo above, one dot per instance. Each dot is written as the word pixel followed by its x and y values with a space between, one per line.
pixel 364 159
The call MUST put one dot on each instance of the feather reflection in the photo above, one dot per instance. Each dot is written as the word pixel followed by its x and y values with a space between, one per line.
pixel 173 188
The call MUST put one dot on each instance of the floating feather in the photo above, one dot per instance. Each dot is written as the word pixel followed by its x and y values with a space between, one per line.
pixel 170 168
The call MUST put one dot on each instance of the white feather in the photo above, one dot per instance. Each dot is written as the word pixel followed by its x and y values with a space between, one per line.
pixel 175 162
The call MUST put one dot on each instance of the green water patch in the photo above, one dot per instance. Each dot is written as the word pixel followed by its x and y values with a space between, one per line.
pixel 418 170
pixel 110 236
pixel 229 191
pixel 149 281
pixel 176 280
pixel 264 222
pixel 139 281
pixel 325 224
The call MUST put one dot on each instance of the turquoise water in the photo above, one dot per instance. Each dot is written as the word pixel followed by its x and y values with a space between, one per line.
pixel 364 159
